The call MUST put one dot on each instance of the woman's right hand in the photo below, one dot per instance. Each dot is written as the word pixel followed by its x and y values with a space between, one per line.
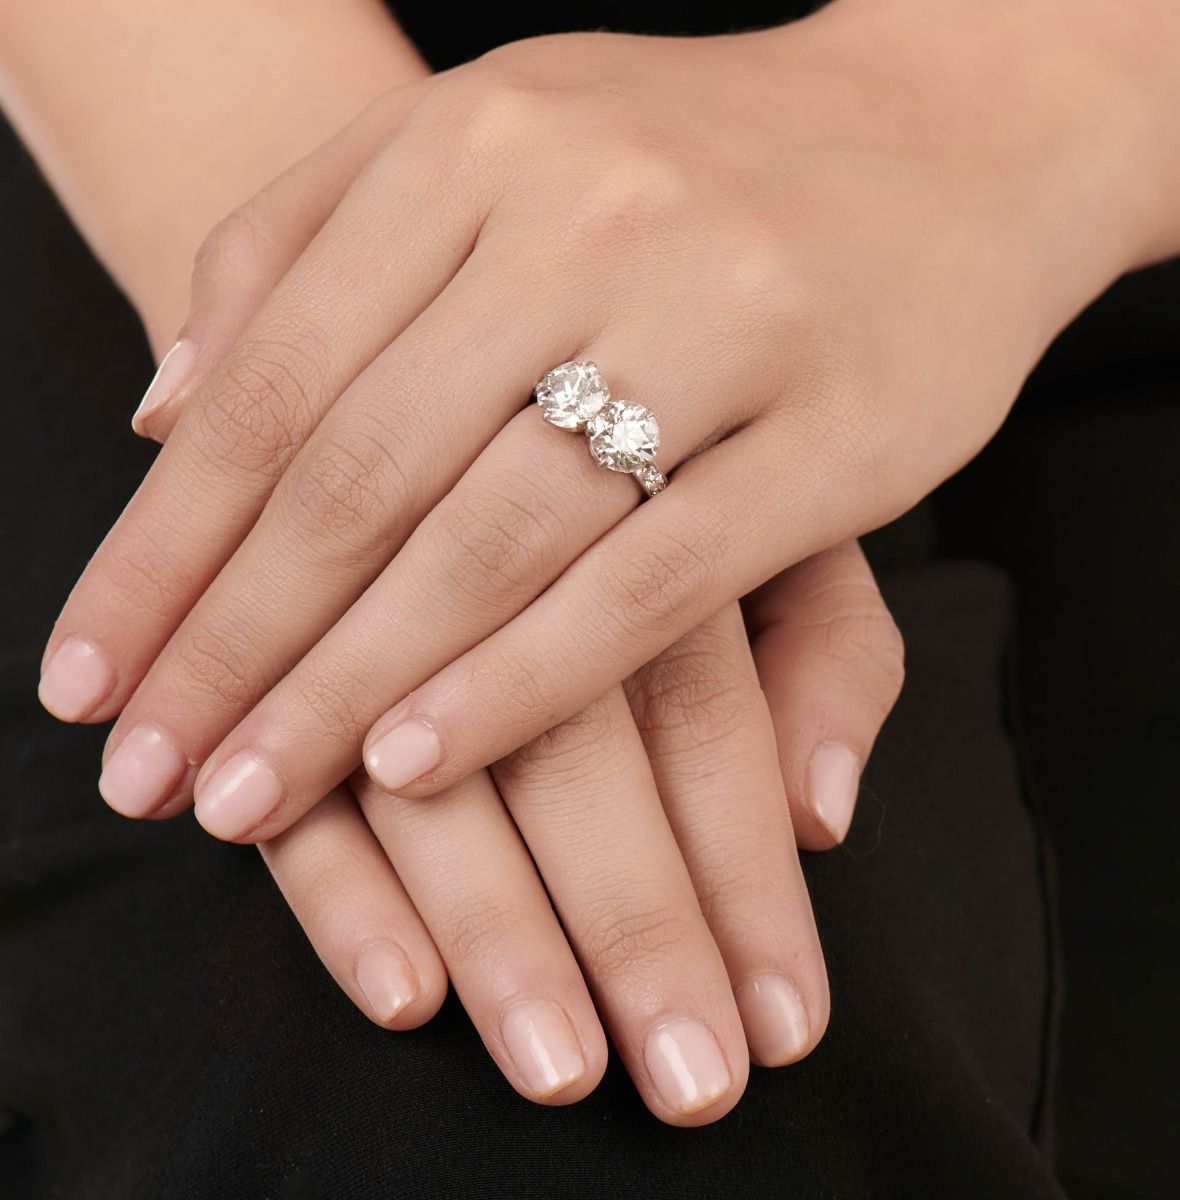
pixel 659 828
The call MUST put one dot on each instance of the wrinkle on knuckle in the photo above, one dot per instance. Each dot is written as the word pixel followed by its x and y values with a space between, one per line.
pixel 346 487
pixel 864 645
pixel 217 666
pixel 650 592
pixel 479 927
pixel 259 408
pixel 527 691
pixel 142 577
pixel 692 688
pixel 341 707
pixel 619 936
pixel 560 755
pixel 495 549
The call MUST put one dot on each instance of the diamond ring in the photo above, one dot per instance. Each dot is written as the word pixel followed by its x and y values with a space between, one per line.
pixel 623 436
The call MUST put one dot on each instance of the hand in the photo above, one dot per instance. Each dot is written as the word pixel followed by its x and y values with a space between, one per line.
pixel 686 966
pixel 718 255
pixel 682 893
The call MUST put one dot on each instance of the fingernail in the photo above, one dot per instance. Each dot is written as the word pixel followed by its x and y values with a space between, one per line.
pixel 774 1019
pixel 142 773
pixel 384 975
pixel 543 1046
pixel 170 374
pixel 239 796
pixel 687 1065
pixel 403 754
pixel 833 780
pixel 76 680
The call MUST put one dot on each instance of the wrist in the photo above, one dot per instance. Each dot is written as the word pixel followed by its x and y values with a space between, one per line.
pixel 1056 123
pixel 153 120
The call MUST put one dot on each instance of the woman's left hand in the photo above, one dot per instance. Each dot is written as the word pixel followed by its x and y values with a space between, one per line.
pixel 812 251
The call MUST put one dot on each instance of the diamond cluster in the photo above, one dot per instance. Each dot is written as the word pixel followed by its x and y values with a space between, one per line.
pixel 623 436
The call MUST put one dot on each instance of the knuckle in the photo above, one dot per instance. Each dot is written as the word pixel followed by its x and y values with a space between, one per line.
pixel 695 687
pixel 643 195
pixel 138 573
pixel 760 283
pixel 233 250
pixel 494 549
pixel 346 486
pixel 619 937
pixel 863 643
pixel 493 111
pixel 337 705
pixel 560 755
pixel 259 408
pixel 653 588
pixel 217 664
pixel 481 928
pixel 528 693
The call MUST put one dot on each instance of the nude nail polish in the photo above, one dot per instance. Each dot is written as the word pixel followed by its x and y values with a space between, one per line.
pixel 686 1065
pixel 833 781
pixel 385 977
pixel 543 1046
pixel 239 796
pixel 143 772
pixel 173 370
pixel 774 1019
pixel 76 680
pixel 403 754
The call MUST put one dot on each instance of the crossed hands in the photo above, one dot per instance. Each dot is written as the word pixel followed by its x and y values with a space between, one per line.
pixel 489 714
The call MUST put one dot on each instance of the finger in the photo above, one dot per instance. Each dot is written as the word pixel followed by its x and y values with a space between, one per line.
pixel 490 545
pixel 384 454
pixel 472 879
pixel 710 741
pixel 670 564
pixel 585 801
pixel 245 256
pixel 831 662
pixel 328 319
pixel 356 914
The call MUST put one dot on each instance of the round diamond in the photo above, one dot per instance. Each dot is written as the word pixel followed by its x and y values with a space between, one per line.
pixel 652 479
pixel 571 394
pixel 624 436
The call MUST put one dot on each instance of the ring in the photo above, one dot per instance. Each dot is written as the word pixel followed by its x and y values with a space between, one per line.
pixel 623 436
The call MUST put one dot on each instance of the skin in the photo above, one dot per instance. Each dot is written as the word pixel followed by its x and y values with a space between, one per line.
pixel 691 913
pixel 686 245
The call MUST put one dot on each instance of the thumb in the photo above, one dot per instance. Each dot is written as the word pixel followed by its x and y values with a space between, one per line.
pixel 248 252
pixel 831 663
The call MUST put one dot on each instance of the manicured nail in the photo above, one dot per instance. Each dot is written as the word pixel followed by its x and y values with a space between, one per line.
pixel 403 754
pixel 686 1064
pixel 774 1019
pixel 239 796
pixel 142 773
pixel 833 780
pixel 76 680
pixel 384 975
pixel 173 370
pixel 543 1046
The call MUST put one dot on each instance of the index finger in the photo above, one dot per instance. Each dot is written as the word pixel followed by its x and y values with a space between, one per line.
pixel 327 319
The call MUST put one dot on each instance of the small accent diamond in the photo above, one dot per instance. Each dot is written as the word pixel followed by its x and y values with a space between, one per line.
pixel 652 479
pixel 571 394
pixel 624 436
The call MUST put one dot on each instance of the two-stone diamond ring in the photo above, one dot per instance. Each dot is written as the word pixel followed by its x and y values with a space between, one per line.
pixel 622 436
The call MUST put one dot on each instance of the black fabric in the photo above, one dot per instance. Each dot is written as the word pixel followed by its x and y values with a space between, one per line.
pixel 166 1031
